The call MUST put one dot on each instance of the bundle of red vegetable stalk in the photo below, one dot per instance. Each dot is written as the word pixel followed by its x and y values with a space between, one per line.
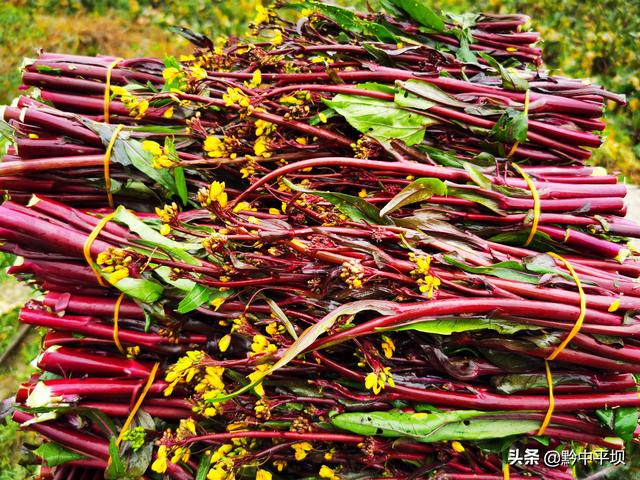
pixel 354 246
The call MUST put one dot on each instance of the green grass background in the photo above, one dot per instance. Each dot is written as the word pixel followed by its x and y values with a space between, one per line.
pixel 597 40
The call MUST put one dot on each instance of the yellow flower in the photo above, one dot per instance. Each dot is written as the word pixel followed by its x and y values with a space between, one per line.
pixel 262 345
pixel 217 302
pixel 235 96
pixel 388 347
pixel 119 91
pixel 118 275
pixel 262 14
pixel 198 73
pixel 160 463
pixel 615 305
pixel 215 147
pixel 263 475
pixel 165 229
pixel 258 375
pixel 217 193
pixel 326 472
pixel 280 465
pixel 263 127
pixel 301 449
pixel 377 380
pixel 168 113
pixel 457 447
pixel 362 193
pixel 290 100
pixel 277 38
pixel 256 79
pixel 224 342
pixel 260 147
pixel 171 73
pixel 152 147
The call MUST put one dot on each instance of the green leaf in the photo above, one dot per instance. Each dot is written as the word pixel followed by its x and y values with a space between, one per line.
pixel 511 127
pixel 181 184
pixel 203 467
pixel 350 22
pixel 434 427
pixel 430 92
pixel 477 176
pixel 116 469
pixel 312 333
pixel 406 99
pixel 509 81
pixel 277 311
pixel 141 289
pixel 381 119
pixel 514 383
pixel 473 196
pixel 625 421
pixel 145 232
pixel 509 270
pixel 128 151
pixel 449 326
pixel 356 208
pixel 421 13
pixel 55 454
pixel 417 191
pixel 198 295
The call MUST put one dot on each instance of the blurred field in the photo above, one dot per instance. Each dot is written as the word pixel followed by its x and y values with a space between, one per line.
pixel 592 39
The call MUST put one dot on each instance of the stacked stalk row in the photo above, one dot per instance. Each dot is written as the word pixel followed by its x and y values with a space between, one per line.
pixel 360 248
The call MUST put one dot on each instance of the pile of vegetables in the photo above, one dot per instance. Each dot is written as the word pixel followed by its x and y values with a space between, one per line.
pixel 352 246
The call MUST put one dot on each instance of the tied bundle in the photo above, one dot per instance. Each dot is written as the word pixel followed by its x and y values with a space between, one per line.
pixel 357 245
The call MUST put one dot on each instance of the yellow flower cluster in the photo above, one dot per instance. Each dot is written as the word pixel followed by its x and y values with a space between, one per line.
pixel 377 380
pixel 263 15
pixel 352 273
pixel 235 96
pixel 263 130
pixel 168 213
pixel 388 347
pixel 258 374
pixel 160 156
pixel 326 472
pixel 214 242
pixel 214 194
pixel 427 283
pixel 137 108
pixel 220 147
pixel 183 370
pixel 301 450
pixel 262 345
pixel 256 80
pixel 115 262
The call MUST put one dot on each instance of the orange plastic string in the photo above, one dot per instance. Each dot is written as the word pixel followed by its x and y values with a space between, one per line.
pixel 574 331
pixel 107 162
pixel 505 471
pixel 547 417
pixel 86 249
pixel 583 308
pixel 138 404
pixel 107 88
pixel 116 317
pixel 536 204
